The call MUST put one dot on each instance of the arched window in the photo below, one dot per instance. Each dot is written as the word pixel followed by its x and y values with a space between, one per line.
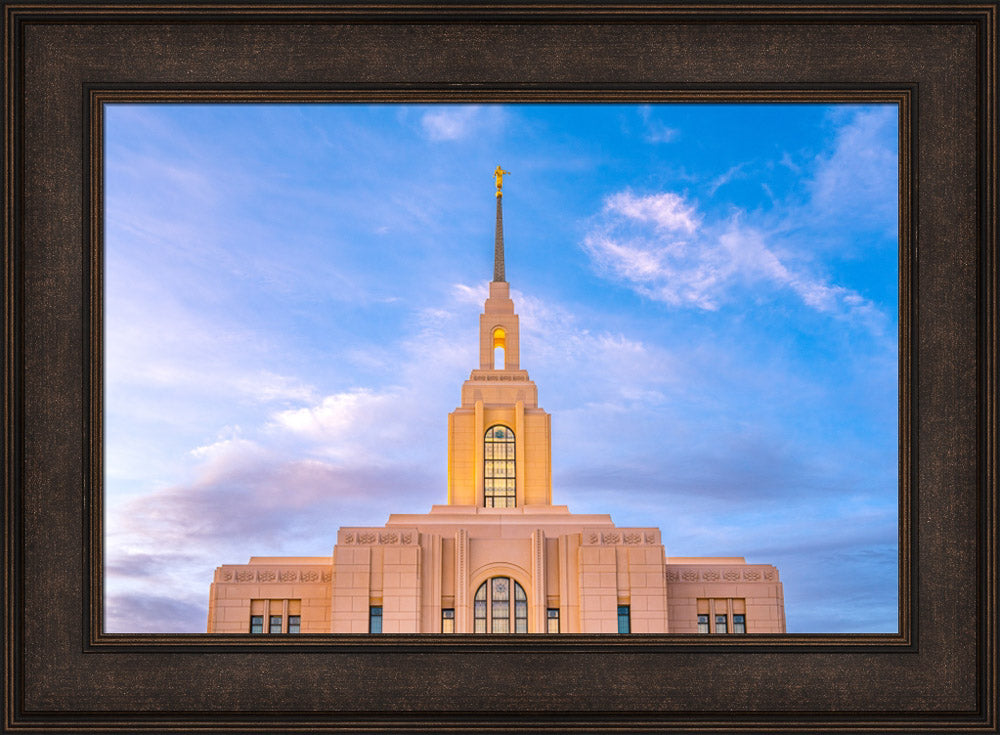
pixel 499 349
pixel 493 613
pixel 499 479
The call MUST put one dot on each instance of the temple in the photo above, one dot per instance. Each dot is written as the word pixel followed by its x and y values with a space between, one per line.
pixel 498 557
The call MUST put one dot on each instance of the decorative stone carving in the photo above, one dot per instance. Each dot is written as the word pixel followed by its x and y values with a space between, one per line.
pixel 689 575
pixel 348 538
pixel 310 576
pixel 593 538
pixel 769 575
pixel 388 538
pixel 327 576
pixel 244 575
pixel 731 575
pixel 751 574
pixel 366 538
pixel 227 576
pixel 406 538
pixel 611 538
pixel 266 575
pixel 633 538
pixel 288 575
pixel 650 538
pixel 710 576
pixel 672 575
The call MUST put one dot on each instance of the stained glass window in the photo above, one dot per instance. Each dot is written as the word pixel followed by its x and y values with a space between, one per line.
pixel 499 476
pixel 494 595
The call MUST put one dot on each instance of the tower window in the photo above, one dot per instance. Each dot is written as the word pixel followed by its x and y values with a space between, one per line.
pixel 375 619
pixel 499 480
pixel 492 609
pixel 499 348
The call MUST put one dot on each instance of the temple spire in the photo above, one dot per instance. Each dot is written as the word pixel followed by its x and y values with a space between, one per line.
pixel 498 270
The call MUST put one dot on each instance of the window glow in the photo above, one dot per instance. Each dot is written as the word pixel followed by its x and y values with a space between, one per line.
pixel 499 475
pixel 494 595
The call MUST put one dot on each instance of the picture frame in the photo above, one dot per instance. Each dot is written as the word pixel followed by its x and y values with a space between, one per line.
pixel 63 62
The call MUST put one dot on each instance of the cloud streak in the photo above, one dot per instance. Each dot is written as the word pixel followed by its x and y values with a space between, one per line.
pixel 661 246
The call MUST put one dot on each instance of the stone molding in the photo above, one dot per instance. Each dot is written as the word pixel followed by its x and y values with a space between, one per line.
pixel 253 574
pixel 711 573
pixel 620 537
pixel 378 537
pixel 506 377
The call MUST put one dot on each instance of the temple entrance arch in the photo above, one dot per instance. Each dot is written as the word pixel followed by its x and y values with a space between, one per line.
pixel 500 605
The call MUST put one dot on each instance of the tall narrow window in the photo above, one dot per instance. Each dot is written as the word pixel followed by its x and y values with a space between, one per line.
pixel 256 623
pixel 552 620
pixel 499 349
pixel 492 609
pixel 375 619
pixel 274 626
pixel 479 612
pixel 448 620
pixel 720 624
pixel 499 477
pixel 739 623
pixel 624 622
pixel 294 623
pixel 703 623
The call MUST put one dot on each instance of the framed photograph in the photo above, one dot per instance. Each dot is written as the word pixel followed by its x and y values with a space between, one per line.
pixel 73 75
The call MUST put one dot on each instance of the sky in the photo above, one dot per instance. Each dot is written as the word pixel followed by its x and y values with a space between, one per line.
pixel 708 305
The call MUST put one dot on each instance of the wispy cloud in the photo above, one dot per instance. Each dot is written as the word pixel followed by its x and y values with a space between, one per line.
pixel 858 176
pixel 664 248
pixel 459 122
pixel 655 131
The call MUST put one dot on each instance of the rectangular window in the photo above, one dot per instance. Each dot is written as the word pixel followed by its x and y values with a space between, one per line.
pixel 294 623
pixel 624 625
pixel 739 623
pixel 552 620
pixel 274 624
pixel 375 619
pixel 703 623
pixel 256 623
pixel 720 624
pixel 448 620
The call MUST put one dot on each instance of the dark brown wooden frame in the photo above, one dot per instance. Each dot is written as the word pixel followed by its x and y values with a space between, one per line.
pixel 63 62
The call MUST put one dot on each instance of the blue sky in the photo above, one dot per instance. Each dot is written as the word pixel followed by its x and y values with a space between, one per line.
pixel 708 303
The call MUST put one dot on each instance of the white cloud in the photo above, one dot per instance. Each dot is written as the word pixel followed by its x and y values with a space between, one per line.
pixel 654 131
pixel 660 246
pixel 858 177
pixel 666 211
pixel 459 122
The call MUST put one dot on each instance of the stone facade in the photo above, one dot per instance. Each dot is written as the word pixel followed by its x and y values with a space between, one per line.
pixel 499 556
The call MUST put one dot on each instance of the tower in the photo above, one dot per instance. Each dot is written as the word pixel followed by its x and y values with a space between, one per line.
pixel 499 440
